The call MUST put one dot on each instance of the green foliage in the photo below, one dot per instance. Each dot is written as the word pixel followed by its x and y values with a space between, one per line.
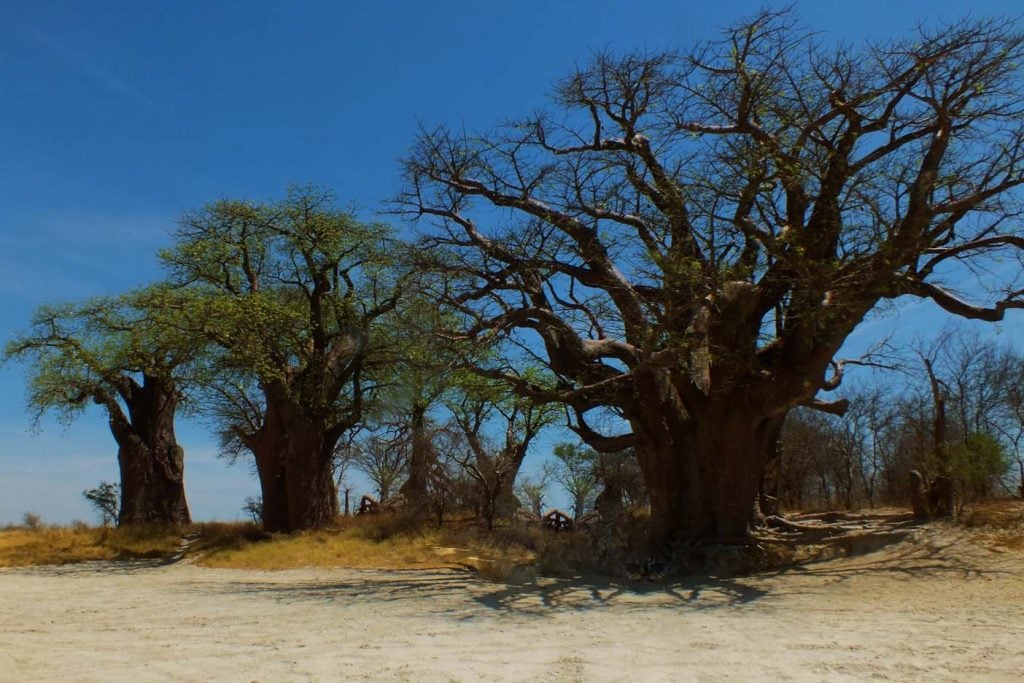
pixel 106 498
pixel 87 352
pixel 288 292
pixel 577 473
pixel 976 460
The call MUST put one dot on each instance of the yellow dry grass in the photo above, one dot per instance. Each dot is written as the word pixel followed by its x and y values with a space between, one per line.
pixel 384 542
pixel 20 547
pixel 1001 523
pixel 362 544
pixel 999 514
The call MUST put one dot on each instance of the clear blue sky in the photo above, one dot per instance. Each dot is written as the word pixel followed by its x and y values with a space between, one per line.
pixel 117 116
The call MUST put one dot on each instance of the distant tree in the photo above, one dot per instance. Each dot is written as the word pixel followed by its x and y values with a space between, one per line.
pixel 576 471
pixel 872 414
pixel 384 458
pixel 806 461
pixel 422 371
pixel 106 498
pixel 254 508
pixel 124 355
pixel 532 491
pixel 1015 401
pixel 619 475
pixel 972 385
pixel 496 430
pixel 687 243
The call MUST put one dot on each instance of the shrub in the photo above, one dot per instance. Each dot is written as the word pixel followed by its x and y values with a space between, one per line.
pixel 976 462
pixel 106 498
pixel 254 508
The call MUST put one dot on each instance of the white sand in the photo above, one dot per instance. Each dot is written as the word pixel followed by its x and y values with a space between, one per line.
pixel 942 607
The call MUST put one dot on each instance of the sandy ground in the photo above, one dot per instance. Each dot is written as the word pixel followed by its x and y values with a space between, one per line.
pixel 942 606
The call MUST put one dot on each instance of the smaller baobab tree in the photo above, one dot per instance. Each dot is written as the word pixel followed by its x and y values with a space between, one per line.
pixel 576 472
pixel 421 369
pixel 532 491
pixel 122 355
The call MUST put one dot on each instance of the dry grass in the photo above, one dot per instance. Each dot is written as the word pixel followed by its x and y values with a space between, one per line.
pixel 384 542
pixel 997 514
pixel 380 542
pixel 1000 521
pixel 20 547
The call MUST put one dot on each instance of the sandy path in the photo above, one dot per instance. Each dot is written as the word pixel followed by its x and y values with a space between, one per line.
pixel 919 611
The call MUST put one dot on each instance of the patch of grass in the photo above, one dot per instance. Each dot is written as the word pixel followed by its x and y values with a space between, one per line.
pixel 996 514
pixel 508 553
pixel 381 542
pixel 21 547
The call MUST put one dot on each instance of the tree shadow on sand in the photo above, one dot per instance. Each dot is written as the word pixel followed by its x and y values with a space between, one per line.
pixel 462 592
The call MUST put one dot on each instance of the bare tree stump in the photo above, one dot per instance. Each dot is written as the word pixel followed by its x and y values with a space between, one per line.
pixel 930 501
pixel 919 496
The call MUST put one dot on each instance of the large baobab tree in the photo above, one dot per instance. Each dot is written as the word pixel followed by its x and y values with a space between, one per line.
pixel 292 293
pixel 688 240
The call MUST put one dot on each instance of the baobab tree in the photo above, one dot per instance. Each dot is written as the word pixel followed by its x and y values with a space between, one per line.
pixel 686 241
pixel 291 295
pixel 121 355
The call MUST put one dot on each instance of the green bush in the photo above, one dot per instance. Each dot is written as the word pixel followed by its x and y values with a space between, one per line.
pixel 975 462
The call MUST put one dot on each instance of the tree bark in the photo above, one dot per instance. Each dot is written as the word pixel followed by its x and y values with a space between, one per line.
pixel 151 463
pixel 152 484
pixel 415 487
pixel 309 480
pixel 703 471
pixel 293 461
pixel 939 417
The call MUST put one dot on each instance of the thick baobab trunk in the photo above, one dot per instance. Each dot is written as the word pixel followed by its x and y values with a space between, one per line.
pixel 152 483
pixel 415 487
pixel 293 461
pixel 297 484
pixel 703 472
pixel 151 462
pixel 270 469
pixel 507 502
pixel 309 477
